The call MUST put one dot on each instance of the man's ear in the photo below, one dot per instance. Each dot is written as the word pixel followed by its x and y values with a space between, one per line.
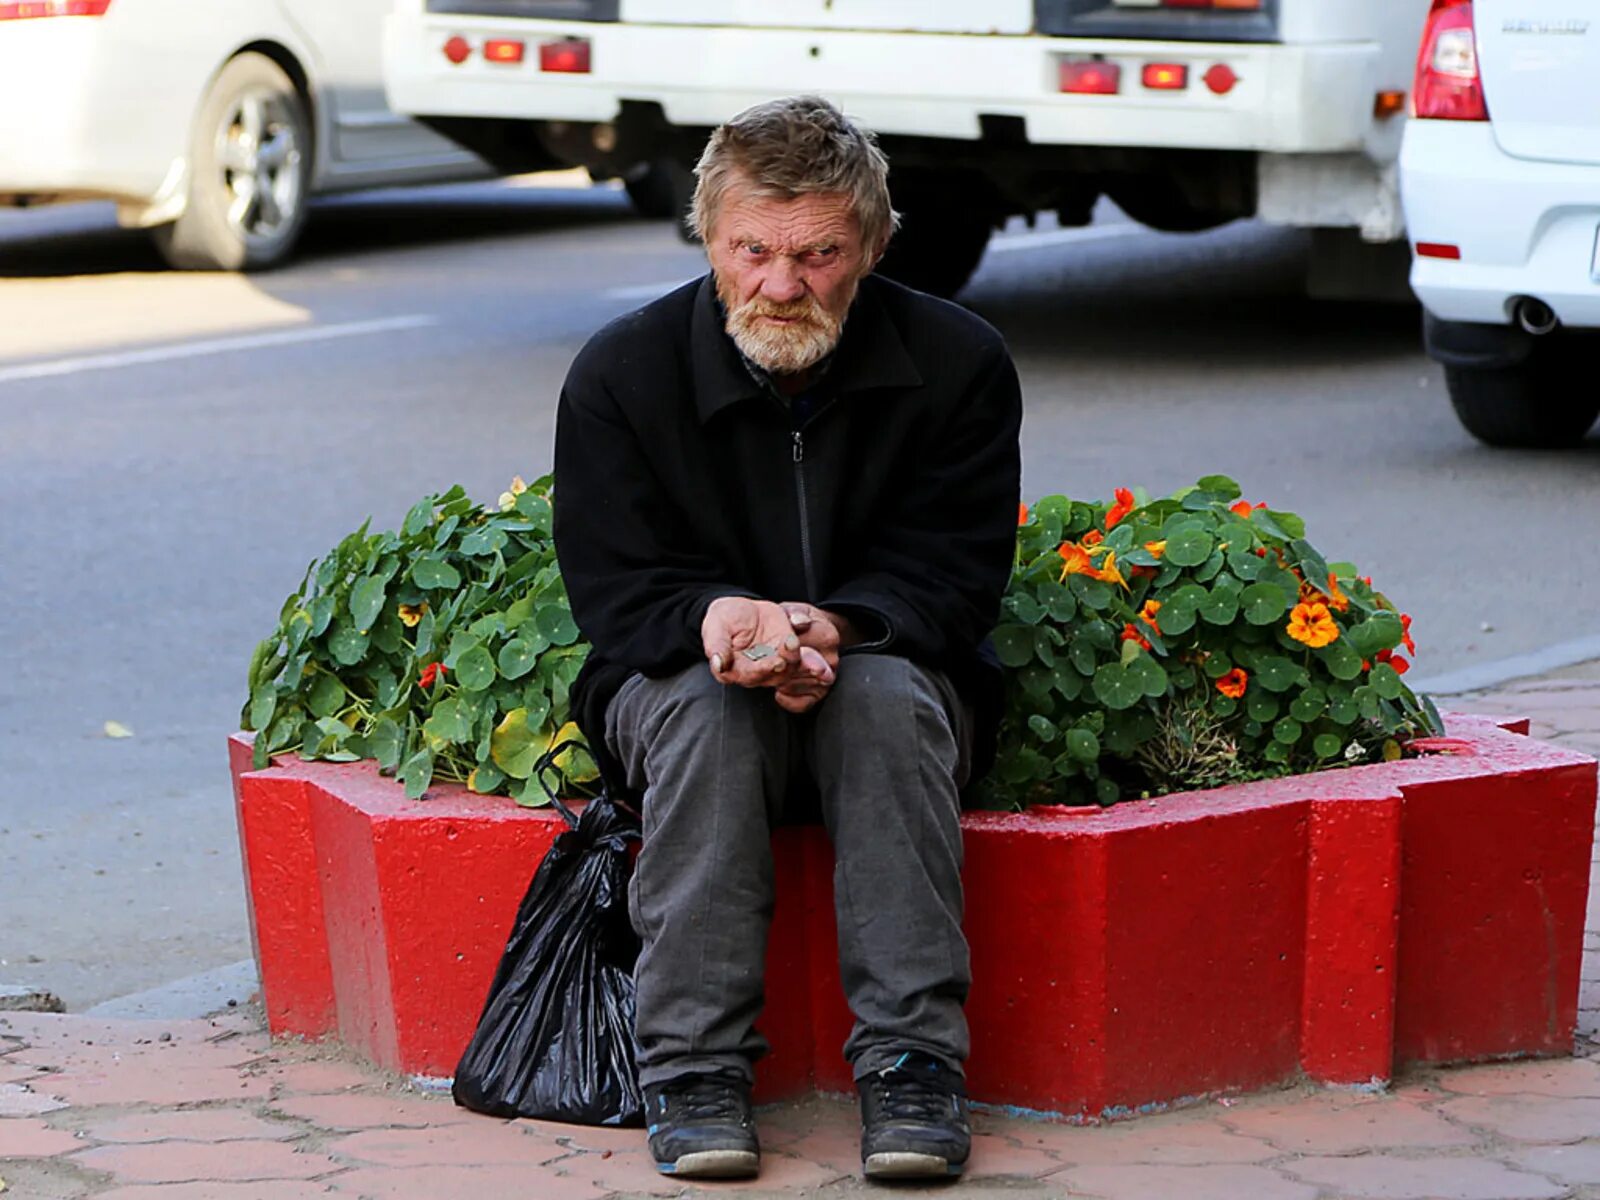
pixel 875 255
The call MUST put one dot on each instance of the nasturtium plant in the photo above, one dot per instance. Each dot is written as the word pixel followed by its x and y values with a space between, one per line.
pixel 445 650
pixel 1154 646
pixel 1149 646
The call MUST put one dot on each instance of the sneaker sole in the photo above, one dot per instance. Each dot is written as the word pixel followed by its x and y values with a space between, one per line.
pixel 713 1164
pixel 906 1165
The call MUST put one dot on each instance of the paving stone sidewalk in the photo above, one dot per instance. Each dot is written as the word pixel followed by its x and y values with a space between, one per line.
pixel 211 1110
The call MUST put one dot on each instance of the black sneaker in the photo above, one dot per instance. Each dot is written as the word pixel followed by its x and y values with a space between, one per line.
pixel 914 1121
pixel 701 1127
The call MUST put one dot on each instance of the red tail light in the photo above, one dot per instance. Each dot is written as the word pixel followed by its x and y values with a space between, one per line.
pixel 1091 77
pixel 1166 77
pixel 570 56
pixel 503 50
pixel 1448 86
pixel 53 8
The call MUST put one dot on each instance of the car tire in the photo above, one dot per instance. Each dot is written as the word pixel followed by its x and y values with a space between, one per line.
pixel 249 173
pixel 943 233
pixel 660 189
pixel 1532 404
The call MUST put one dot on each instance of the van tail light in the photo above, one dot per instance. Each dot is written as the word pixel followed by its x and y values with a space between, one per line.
pixel 53 8
pixel 1448 85
pixel 1091 77
pixel 570 56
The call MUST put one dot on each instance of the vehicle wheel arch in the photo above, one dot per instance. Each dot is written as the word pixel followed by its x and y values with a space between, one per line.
pixel 301 78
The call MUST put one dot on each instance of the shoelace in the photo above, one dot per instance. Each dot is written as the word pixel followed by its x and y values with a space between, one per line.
pixel 907 1096
pixel 704 1098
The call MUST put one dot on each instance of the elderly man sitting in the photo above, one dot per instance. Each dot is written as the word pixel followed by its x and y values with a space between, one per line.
pixel 785 515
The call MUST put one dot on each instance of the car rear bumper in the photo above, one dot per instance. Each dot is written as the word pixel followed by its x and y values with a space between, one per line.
pixel 1300 99
pixel 1524 227
pixel 71 127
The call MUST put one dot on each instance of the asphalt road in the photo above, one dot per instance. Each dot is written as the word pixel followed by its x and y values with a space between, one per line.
pixel 175 449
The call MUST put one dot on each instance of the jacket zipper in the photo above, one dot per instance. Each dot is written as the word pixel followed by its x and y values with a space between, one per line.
pixel 805 517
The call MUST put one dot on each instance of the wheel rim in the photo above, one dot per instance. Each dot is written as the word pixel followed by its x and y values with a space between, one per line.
pixel 258 148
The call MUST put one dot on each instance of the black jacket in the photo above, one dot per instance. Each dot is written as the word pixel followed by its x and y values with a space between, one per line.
pixel 680 478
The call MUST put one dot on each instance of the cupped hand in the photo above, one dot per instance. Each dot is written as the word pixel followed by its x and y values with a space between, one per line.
pixel 736 624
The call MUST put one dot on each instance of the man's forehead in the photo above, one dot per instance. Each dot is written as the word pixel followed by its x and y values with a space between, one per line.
pixel 802 219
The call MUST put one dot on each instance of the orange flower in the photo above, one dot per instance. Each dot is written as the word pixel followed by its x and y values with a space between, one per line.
pixel 1022 515
pixel 1075 559
pixel 1312 625
pixel 1093 538
pixel 1157 548
pixel 1138 572
pixel 1405 633
pixel 1108 572
pixel 1232 684
pixel 1130 634
pixel 1147 614
pixel 1337 599
pixel 1123 506
pixel 1243 508
pixel 410 614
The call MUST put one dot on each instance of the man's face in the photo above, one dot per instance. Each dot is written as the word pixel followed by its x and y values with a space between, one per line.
pixel 786 272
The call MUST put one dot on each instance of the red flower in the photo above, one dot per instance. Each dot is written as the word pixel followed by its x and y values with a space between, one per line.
pixel 1022 514
pixel 1130 634
pixel 1093 538
pixel 1123 506
pixel 1397 661
pixel 1234 683
pixel 1405 633
pixel 1242 508
pixel 431 673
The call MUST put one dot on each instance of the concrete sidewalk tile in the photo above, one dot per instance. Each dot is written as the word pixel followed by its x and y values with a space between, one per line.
pixel 605 1139
pixel 1340 1124
pixel 1570 1078
pixel 350 1111
pixel 15 1071
pixel 1577 1164
pixel 1388 1177
pixel 20 1100
pixel 316 1078
pixel 191 1125
pixel 460 1183
pixel 1143 1182
pixel 1175 1140
pixel 150 1082
pixel 835 1147
pixel 186 1162
pixel 446 1146
pixel 1528 1118
pixel 280 1189
pixel 29 1137
pixel 995 1155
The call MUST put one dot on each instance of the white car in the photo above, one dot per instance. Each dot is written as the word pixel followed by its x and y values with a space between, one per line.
pixel 1500 175
pixel 208 121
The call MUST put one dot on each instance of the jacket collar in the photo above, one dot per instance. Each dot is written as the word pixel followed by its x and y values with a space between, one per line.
pixel 870 354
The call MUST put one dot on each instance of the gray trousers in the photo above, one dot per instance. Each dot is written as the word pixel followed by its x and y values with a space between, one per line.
pixel 887 750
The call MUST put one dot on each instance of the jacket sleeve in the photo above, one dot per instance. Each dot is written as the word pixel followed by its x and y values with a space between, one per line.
pixel 638 592
pixel 939 563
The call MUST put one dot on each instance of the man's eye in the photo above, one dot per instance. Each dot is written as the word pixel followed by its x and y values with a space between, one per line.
pixel 822 253
pixel 755 249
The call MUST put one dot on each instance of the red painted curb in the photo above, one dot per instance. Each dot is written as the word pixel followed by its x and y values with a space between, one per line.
pixel 1333 926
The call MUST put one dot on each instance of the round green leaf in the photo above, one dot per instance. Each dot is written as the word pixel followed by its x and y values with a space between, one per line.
pixel 1287 731
pixel 1221 605
pixel 385 743
pixel 1263 603
pixel 556 623
pixel 1036 681
pixel 1385 680
pixel 1277 674
pixel 433 572
pixel 366 600
pixel 1058 601
pixel 1083 745
pixel 326 697
pixel 1152 675
pixel 1043 728
pixel 1027 610
pixel 1341 659
pixel 517 658
pixel 485 778
pixel 1118 687
pixel 451 722
pixel 1308 705
pixel 1014 645
pixel 1262 706
pixel 475 669
pixel 347 644
pixel 417 774
pixel 263 703
pixel 1224 706
pixel 1327 745
pixel 515 746
pixel 1189 546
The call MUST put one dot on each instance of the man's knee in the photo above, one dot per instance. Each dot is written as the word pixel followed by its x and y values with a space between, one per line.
pixel 882 701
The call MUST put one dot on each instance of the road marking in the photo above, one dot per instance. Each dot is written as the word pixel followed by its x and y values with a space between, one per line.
pixel 999 245
pixel 227 345
pixel 1059 237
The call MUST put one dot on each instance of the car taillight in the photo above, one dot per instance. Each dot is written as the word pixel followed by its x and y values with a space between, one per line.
pixel 503 50
pixel 53 8
pixel 569 56
pixel 1091 77
pixel 1448 86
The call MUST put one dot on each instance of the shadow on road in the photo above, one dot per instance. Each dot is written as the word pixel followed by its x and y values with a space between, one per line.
pixel 46 244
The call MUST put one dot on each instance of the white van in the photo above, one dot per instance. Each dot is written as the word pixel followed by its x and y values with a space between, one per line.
pixel 209 123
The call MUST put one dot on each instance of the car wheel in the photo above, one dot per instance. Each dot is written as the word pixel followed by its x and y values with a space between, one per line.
pixel 660 189
pixel 1532 404
pixel 249 173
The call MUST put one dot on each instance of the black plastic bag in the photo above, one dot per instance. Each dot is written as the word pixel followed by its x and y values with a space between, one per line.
pixel 556 1038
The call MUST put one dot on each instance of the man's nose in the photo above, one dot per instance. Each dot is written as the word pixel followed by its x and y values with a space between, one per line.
pixel 782 283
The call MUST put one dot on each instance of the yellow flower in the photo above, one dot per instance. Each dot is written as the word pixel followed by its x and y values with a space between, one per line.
pixel 1109 573
pixel 508 500
pixel 410 614
pixel 1157 548
pixel 1312 625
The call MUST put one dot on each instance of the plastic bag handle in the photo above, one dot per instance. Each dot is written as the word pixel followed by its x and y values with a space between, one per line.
pixel 547 762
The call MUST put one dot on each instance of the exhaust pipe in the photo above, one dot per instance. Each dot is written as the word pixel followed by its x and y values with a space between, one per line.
pixel 1534 316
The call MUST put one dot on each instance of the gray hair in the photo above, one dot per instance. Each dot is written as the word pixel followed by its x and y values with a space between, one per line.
pixel 792 147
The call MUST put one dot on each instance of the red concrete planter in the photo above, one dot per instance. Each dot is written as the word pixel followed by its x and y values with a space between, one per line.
pixel 1332 926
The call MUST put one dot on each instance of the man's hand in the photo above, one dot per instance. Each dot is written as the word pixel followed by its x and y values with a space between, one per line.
pixel 821 635
pixel 737 627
